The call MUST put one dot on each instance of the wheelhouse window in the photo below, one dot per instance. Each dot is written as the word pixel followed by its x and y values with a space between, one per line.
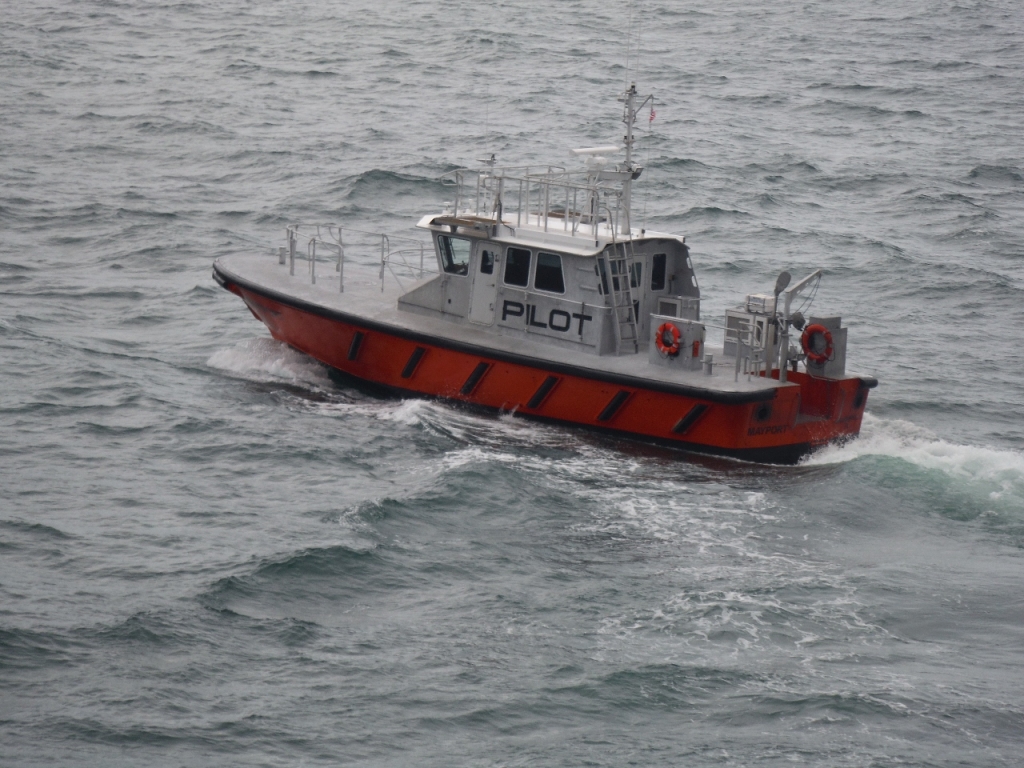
pixel 658 272
pixel 454 255
pixel 517 267
pixel 487 262
pixel 549 273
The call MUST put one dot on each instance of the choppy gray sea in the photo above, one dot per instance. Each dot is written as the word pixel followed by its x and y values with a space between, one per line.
pixel 214 551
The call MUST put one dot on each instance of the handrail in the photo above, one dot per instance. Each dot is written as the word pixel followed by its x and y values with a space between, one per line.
pixel 499 172
pixel 336 238
pixel 340 227
pixel 536 197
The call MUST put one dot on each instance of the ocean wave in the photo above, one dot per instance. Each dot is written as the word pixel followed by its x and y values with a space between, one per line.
pixel 141 629
pixel 35 529
pixel 668 163
pixel 995 474
pixel 997 173
pixel 283 586
pixel 30 649
pixel 733 586
pixel 678 686
pixel 380 182
pixel 713 212
pixel 163 125
pixel 267 360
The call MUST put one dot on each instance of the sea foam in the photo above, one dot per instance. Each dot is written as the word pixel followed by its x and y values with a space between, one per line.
pixel 1000 471
pixel 264 359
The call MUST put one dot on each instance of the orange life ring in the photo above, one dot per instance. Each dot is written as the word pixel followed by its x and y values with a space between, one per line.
pixel 667 340
pixel 805 341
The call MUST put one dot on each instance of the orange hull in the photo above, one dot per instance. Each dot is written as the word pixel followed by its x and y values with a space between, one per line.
pixel 777 426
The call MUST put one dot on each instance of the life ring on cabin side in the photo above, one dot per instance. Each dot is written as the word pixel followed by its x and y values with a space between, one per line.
pixel 667 340
pixel 805 341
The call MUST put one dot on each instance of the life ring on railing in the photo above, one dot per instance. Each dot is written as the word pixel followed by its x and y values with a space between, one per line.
pixel 805 341
pixel 667 339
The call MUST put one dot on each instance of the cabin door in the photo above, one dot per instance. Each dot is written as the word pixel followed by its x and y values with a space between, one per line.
pixel 485 290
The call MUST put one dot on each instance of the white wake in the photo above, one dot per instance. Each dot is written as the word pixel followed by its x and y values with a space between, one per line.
pixel 999 468
pixel 264 359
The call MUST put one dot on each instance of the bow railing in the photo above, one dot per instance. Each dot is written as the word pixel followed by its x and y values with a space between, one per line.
pixel 401 257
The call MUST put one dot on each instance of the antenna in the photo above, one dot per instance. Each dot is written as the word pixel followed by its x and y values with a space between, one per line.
pixel 629 118
pixel 633 40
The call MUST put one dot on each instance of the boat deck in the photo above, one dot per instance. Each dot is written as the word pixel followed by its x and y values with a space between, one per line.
pixel 364 301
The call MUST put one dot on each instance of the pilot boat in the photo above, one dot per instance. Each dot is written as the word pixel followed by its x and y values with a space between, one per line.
pixel 533 293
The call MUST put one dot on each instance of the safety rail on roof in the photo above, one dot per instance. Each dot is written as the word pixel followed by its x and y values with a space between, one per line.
pixel 412 259
pixel 589 203
pixel 584 202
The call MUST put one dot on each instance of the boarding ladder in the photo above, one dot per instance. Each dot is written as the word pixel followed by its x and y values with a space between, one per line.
pixel 623 272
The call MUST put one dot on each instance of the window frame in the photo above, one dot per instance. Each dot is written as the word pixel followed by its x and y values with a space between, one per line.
pixel 444 245
pixel 664 271
pixel 561 273
pixel 508 261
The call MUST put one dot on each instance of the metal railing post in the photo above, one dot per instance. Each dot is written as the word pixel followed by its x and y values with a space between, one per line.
pixel 576 215
pixel 519 205
pixel 291 251
pixel 341 268
pixel 547 196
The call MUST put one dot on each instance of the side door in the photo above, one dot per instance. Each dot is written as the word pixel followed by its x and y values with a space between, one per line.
pixel 455 253
pixel 485 286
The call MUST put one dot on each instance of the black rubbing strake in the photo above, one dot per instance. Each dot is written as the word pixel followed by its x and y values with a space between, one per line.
pixel 689 419
pixel 474 378
pixel 542 392
pixel 353 348
pixel 614 404
pixel 414 360
pixel 858 400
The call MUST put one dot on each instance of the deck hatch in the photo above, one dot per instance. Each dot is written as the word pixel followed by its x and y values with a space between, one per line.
pixel 353 348
pixel 474 378
pixel 414 360
pixel 614 405
pixel 542 391
pixel 684 424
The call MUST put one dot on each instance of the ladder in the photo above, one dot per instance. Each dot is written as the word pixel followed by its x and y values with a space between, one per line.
pixel 622 271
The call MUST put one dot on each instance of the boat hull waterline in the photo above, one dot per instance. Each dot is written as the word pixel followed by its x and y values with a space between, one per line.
pixel 774 425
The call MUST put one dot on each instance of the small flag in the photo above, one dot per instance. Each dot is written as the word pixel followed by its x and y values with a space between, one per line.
pixel 653 115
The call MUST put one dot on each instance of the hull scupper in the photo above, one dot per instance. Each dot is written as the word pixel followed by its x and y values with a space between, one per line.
pixel 533 294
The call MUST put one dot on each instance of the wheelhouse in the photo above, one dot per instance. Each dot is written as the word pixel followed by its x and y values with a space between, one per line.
pixel 521 283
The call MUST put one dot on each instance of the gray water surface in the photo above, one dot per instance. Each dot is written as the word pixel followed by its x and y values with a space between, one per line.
pixel 214 551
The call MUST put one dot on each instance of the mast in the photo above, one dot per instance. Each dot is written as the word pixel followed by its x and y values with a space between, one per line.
pixel 627 186
pixel 634 171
